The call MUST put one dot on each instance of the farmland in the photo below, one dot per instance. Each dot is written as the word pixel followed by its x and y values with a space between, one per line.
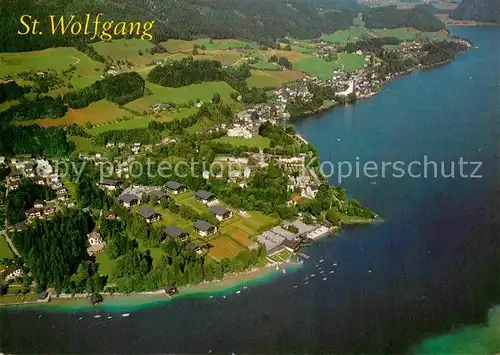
pixel 182 95
pixel 255 141
pixel 261 78
pixel 224 247
pixel 5 251
pixel 139 122
pixel 317 67
pixel 175 45
pixel 342 37
pixel 129 49
pixel 98 112
pixel 58 59
pixel 83 145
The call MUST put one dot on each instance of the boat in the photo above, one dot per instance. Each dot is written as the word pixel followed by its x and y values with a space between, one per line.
pixel 325 278
pixel 305 256
pixel 295 286
pixel 224 297
pixel 321 260
pixel 238 292
pixel 97 316
pixel 312 275
pixel 305 283
pixel 334 264
pixel 109 317
pixel 125 314
pixel 211 296
pixel 80 318
pixel 331 272
pixel 283 271
pixel 244 287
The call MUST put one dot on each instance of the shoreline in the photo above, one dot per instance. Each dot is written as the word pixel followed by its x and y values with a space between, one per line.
pixel 143 299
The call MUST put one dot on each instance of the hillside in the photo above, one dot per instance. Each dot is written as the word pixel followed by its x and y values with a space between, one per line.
pixel 252 20
pixel 478 10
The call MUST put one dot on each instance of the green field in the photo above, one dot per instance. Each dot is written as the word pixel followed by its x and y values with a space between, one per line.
pixel 187 198
pixel 341 37
pixel 265 66
pixel 57 59
pixel 176 45
pixel 401 33
pixel 181 95
pixel 119 49
pixel 5 251
pixel 274 79
pixel 106 265
pixel 224 247
pixel 350 61
pixel 317 67
pixel 5 105
pixel 140 122
pixel 98 112
pixel 255 141
pixel 83 145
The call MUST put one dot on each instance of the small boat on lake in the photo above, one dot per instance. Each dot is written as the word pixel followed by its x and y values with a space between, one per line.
pixel 125 314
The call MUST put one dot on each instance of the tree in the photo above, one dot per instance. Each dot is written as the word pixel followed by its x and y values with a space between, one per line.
pixel 216 98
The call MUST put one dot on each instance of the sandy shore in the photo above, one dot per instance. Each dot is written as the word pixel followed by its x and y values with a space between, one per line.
pixel 143 299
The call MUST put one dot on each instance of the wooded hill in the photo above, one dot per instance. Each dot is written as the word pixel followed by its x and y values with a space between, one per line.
pixel 478 10
pixel 254 20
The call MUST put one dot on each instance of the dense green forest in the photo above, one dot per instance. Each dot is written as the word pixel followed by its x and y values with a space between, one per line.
pixel 254 20
pixel 23 198
pixel 54 249
pixel 11 91
pixel 120 89
pixel 35 140
pixel 392 17
pixel 478 10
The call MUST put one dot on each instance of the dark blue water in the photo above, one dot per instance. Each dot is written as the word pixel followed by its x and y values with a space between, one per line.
pixel 430 267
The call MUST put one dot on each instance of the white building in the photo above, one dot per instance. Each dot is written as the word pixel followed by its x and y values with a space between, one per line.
pixel 239 132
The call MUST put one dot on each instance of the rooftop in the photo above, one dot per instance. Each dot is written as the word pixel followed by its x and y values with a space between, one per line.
pixel 174 231
pixel 203 194
pixel 173 185
pixel 128 198
pixel 147 212
pixel 218 210
pixel 203 226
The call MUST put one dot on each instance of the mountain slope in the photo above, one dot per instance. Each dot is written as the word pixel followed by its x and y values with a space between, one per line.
pixel 478 10
pixel 254 20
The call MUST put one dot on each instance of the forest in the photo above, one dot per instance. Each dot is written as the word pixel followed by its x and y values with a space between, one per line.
pixel 53 250
pixel 12 91
pixel 23 198
pixel 35 140
pixel 259 21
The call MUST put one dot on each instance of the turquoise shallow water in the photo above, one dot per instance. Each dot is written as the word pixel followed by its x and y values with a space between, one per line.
pixel 429 269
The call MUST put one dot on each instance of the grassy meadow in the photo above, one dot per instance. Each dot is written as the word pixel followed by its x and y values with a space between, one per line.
pixel 58 59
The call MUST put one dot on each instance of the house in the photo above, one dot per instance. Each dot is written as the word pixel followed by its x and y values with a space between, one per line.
pixel 94 238
pixel 96 243
pixel 109 184
pixel 291 245
pixel 18 227
pixel 170 290
pixel 13 273
pixel 175 232
pixel 149 214
pixel 62 194
pixel 129 200
pixel 204 196
pixel 204 228
pixel 220 212
pixel 50 210
pixel 35 212
pixel 175 187
pixel 160 195
pixel 40 181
